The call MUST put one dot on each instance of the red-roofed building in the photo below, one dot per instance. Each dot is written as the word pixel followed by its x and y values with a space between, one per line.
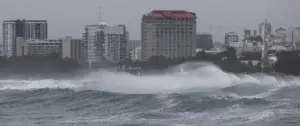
pixel 171 14
pixel 168 33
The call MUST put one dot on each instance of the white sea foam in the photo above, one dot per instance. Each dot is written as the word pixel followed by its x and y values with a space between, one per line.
pixel 188 77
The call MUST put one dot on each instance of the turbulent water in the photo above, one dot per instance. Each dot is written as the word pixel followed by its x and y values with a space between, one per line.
pixel 189 94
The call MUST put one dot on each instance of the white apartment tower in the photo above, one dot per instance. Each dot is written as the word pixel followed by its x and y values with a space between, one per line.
pixel 115 43
pixel 107 42
pixel 28 29
pixel 93 47
pixel 168 33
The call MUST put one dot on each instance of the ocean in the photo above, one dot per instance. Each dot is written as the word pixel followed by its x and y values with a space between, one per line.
pixel 191 94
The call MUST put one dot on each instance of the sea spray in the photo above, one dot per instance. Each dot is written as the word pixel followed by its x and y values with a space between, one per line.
pixel 196 94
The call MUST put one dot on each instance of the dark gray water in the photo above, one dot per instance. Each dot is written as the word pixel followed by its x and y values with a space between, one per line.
pixel 204 96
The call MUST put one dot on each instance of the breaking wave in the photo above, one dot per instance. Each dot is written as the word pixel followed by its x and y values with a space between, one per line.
pixel 191 93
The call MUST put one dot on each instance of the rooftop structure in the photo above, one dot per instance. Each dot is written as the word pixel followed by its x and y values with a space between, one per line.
pixel 171 14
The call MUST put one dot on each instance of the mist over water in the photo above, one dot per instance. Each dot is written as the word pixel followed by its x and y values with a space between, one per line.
pixel 188 94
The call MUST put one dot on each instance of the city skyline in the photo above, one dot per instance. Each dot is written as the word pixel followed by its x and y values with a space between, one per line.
pixel 65 19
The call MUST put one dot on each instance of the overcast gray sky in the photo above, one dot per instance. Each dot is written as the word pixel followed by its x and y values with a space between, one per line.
pixel 68 17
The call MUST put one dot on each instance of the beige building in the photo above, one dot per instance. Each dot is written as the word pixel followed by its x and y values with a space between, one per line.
pixel 168 33
pixel 66 47
pixel 72 48
pixel 35 47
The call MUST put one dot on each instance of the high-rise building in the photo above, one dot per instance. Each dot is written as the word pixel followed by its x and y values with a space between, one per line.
pixel 107 42
pixel 115 43
pixel 231 38
pixel 28 29
pixel 204 41
pixel 168 33
pixel 268 27
pixel 93 47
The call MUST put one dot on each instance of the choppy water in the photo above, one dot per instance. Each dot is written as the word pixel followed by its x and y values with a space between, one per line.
pixel 196 94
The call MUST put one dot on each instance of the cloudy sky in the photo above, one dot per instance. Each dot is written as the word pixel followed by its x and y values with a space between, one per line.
pixel 68 17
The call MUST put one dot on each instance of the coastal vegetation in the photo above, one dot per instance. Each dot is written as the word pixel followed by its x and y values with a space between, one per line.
pixel 228 61
pixel 38 64
pixel 288 62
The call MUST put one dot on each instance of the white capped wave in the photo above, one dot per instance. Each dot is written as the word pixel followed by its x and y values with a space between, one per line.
pixel 188 77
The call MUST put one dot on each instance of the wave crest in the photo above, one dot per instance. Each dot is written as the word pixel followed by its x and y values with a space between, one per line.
pixel 185 78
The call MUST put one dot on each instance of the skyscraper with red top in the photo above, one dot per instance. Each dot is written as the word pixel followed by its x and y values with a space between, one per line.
pixel 168 33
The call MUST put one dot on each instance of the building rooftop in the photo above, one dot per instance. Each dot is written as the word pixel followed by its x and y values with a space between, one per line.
pixel 44 41
pixel 171 14
pixel 280 29
pixel 104 24
pixel 231 33
pixel 25 20
pixel 204 34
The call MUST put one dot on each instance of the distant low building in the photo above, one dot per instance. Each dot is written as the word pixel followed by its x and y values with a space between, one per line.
pixel 209 51
pixel 136 53
pixel 281 31
pixel 34 47
pixel 204 41
pixel 132 44
pixel 134 49
pixel 73 49
pixel 231 38
pixel 65 48
pixel 249 33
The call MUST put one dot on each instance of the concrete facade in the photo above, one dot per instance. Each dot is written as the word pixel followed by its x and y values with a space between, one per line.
pixel 33 47
pixel 72 48
pixel 28 29
pixel 105 42
pixel 231 38
pixel 168 33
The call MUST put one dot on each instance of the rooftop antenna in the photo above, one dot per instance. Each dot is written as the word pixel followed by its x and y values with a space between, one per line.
pixel 100 14
pixel 267 17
